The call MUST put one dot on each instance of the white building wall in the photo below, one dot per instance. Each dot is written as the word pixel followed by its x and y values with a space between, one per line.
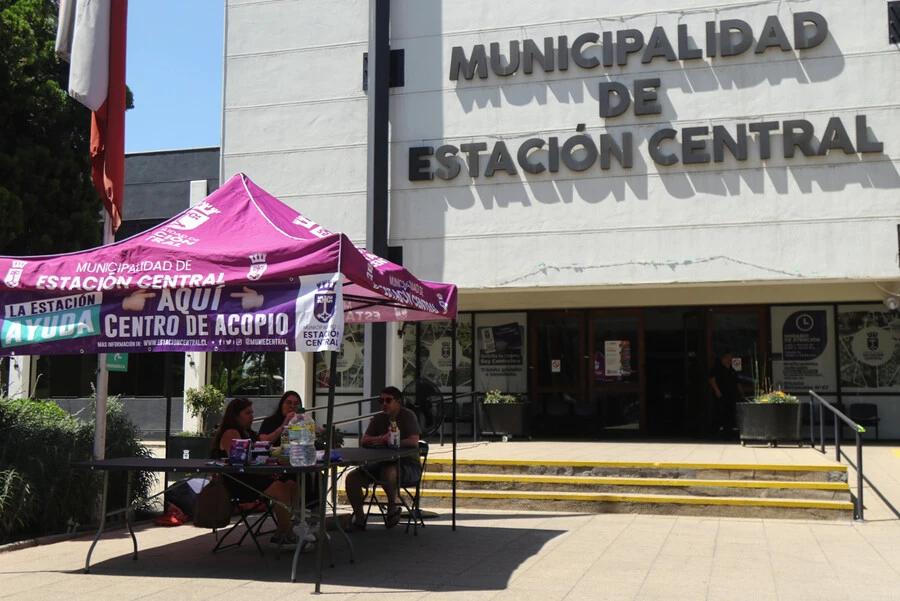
pixel 295 122
pixel 295 111
pixel 821 228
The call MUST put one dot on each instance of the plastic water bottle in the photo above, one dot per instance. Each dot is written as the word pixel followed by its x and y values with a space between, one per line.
pixel 394 435
pixel 295 429
pixel 308 440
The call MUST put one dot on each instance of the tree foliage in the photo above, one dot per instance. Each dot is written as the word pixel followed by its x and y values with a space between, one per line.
pixel 48 202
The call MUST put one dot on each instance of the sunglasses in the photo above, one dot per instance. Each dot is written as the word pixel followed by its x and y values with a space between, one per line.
pixel 387 399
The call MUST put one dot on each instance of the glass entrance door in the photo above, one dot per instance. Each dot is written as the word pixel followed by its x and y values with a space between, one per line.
pixel 557 371
pixel 740 331
pixel 616 390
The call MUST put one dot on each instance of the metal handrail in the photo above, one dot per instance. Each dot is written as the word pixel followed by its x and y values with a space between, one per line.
pixel 859 430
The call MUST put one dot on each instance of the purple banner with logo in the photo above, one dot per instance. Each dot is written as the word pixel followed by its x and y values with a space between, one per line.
pixel 299 315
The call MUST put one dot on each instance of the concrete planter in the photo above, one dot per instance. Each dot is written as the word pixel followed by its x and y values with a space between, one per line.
pixel 769 422
pixel 506 419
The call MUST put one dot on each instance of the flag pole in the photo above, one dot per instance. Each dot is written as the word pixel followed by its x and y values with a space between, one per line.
pixel 102 388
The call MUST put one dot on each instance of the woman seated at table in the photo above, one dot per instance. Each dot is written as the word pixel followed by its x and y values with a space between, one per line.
pixel 236 423
pixel 272 427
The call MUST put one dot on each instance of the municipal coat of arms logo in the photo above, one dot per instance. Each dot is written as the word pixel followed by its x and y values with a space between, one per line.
pixel 15 273
pixel 189 221
pixel 872 341
pixel 194 217
pixel 325 302
pixel 258 266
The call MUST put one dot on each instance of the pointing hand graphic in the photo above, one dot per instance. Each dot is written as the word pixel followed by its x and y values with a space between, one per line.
pixel 135 300
pixel 250 299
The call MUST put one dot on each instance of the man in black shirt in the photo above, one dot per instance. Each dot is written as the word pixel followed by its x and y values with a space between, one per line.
pixel 724 381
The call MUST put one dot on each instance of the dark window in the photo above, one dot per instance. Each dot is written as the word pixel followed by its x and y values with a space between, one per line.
pixel 76 375
pixel 894 22
pixel 65 375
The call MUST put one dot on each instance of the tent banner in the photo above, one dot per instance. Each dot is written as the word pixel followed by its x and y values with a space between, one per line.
pixel 302 314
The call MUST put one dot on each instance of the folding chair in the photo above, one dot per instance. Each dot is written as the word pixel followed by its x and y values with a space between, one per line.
pixel 252 516
pixel 866 415
pixel 409 494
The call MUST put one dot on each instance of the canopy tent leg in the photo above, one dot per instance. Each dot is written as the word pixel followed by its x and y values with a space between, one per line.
pixel 329 430
pixel 455 435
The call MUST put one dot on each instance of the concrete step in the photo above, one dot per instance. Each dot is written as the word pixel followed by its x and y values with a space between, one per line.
pixel 725 490
pixel 641 503
pixel 660 486
pixel 698 471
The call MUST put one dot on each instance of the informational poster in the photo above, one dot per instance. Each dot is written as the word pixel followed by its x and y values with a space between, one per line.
pixel 500 356
pixel 613 355
pixel 615 361
pixel 869 350
pixel 803 348
pixel 350 363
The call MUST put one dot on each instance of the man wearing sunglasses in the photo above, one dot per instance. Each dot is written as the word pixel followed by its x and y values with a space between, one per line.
pixel 385 473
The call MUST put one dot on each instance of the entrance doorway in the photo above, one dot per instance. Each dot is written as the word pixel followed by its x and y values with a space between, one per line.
pixel 740 331
pixel 557 371
pixel 586 373
pixel 636 372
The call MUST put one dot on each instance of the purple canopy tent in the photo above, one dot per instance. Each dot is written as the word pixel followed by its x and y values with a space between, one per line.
pixel 239 271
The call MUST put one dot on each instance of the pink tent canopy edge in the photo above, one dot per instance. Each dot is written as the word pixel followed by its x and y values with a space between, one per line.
pixel 240 234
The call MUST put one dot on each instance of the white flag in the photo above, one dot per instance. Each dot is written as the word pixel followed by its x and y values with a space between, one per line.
pixel 65 29
pixel 83 37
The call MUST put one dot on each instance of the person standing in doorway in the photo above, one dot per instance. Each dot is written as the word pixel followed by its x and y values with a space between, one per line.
pixel 727 387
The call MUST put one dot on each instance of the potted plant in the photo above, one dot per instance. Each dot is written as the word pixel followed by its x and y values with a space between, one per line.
pixel 505 414
pixel 337 440
pixel 770 416
pixel 206 403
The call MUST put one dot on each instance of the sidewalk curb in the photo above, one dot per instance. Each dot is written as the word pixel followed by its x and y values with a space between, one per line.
pixel 50 539
pixel 43 540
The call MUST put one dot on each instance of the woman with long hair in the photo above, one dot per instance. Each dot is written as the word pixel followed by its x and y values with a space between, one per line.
pixel 272 427
pixel 237 423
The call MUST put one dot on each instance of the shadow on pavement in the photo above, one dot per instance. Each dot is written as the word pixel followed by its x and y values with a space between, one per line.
pixel 469 558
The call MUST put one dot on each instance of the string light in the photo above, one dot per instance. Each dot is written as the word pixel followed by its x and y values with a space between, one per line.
pixel 673 264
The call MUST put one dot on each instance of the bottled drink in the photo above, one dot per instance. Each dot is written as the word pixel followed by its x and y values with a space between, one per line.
pixel 308 440
pixel 295 428
pixel 394 435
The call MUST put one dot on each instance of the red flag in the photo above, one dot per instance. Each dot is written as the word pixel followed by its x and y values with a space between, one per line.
pixel 108 122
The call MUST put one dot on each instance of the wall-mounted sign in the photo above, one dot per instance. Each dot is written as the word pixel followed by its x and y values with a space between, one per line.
pixel 500 352
pixel 803 349
pixel 117 361
pixel 868 338
pixel 666 146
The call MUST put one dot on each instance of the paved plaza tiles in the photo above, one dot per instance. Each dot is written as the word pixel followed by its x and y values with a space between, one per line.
pixel 499 555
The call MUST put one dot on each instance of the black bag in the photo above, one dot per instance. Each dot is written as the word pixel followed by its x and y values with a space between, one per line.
pixel 214 508
pixel 184 498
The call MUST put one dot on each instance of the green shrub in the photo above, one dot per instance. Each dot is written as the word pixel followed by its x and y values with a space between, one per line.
pixel 15 508
pixel 38 440
pixel 39 493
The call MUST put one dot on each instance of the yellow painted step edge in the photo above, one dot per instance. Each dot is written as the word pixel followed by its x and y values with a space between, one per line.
pixel 677 482
pixel 639 464
pixel 670 499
